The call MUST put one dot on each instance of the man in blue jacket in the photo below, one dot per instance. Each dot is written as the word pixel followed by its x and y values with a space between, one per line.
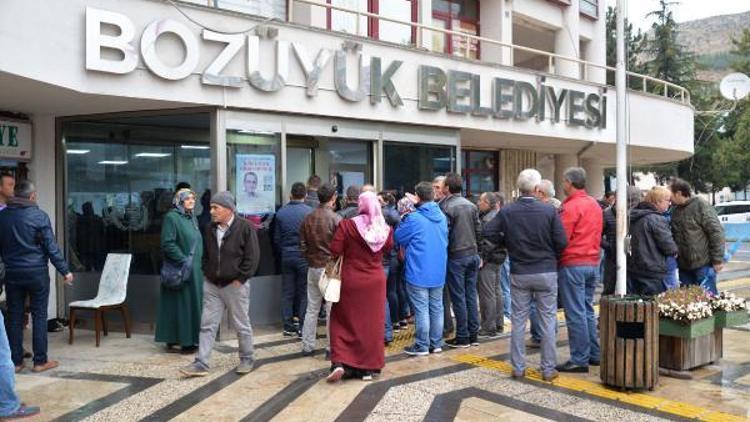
pixel 424 235
pixel 27 244
pixel 293 264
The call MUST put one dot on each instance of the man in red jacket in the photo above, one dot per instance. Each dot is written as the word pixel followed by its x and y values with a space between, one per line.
pixel 579 271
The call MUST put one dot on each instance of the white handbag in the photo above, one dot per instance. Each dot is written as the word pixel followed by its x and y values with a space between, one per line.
pixel 330 281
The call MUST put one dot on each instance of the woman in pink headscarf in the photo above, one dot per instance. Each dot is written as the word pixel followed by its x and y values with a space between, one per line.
pixel 357 320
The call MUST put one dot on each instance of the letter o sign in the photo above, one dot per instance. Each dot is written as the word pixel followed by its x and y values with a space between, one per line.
pixel 148 49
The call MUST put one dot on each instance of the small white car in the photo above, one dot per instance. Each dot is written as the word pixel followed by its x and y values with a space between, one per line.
pixel 734 212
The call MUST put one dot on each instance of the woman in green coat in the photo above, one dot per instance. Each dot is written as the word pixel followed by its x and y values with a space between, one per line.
pixel 178 320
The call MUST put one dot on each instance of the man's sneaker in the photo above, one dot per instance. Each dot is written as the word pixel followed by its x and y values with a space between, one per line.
pixel 533 344
pixel 367 377
pixel 23 412
pixel 488 334
pixel 414 351
pixel 457 344
pixel 517 374
pixel 308 353
pixel 335 375
pixel 245 367
pixel 473 341
pixel 436 350
pixel 195 369
pixel 289 333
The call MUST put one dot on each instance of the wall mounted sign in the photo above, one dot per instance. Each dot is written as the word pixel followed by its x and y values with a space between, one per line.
pixel 255 183
pixel 455 91
pixel 15 140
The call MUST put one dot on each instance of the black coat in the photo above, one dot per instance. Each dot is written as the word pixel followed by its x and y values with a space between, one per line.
pixel 651 241
pixel 238 257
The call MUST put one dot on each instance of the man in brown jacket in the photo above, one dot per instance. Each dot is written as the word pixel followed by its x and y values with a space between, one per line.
pixel 230 258
pixel 316 233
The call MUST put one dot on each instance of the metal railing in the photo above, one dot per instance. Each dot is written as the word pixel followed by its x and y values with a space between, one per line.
pixel 508 51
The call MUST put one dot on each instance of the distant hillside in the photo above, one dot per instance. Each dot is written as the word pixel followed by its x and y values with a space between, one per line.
pixel 710 40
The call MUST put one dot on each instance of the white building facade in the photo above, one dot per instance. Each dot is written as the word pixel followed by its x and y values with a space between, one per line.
pixel 114 102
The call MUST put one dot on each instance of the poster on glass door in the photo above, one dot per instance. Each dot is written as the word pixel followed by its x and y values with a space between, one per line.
pixel 256 183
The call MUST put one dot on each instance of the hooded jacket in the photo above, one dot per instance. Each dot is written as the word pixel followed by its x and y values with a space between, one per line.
pixel 424 234
pixel 698 233
pixel 651 241
pixel 27 241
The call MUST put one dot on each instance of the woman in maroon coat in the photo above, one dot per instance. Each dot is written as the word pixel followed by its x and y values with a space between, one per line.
pixel 357 320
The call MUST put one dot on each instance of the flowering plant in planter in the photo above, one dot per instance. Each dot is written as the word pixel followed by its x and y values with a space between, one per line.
pixel 685 304
pixel 728 302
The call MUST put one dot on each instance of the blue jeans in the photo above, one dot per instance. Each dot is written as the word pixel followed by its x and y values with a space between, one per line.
pixel 428 316
pixel 388 320
pixel 703 276
pixel 35 285
pixel 504 286
pixel 462 286
pixel 577 285
pixel 293 291
pixel 9 402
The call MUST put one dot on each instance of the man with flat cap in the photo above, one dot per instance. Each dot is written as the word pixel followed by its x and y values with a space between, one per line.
pixel 230 258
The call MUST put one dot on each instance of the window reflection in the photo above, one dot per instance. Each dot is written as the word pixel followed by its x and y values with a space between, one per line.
pixel 405 165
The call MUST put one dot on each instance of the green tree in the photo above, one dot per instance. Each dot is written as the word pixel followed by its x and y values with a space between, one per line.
pixel 667 59
pixel 633 48
pixel 741 52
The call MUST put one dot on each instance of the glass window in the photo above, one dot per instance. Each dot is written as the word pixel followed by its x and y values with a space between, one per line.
pixel 346 21
pixel 121 176
pixel 254 177
pixel 266 8
pixel 459 16
pixel 391 31
pixel 340 161
pixel 405 165
pixel 480 173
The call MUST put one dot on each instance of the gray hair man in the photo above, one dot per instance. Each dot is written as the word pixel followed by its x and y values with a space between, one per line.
pixel 230 257
pixel 27 245
pixel 546 193
pixel 534 237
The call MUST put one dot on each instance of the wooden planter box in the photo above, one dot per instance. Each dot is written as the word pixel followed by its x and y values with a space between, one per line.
pixel 684 347
pixel 702 327
pixel 629 334
pixel 731 319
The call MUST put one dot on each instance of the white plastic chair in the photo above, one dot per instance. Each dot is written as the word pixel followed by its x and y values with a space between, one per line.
pixel 113 289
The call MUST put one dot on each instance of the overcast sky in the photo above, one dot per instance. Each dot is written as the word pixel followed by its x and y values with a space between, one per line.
pixel 687 10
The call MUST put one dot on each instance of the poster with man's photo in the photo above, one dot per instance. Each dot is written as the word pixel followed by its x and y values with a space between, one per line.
pixel 256 183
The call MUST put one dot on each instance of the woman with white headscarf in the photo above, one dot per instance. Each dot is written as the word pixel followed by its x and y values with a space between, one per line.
pixel 178 318
pixel 357 320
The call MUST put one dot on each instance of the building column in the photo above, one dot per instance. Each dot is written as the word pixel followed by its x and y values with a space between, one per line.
pixel 562 163
pixel 596 49
pixel 42 173
pixel 496 23
pixel 594 177
pixel 567 41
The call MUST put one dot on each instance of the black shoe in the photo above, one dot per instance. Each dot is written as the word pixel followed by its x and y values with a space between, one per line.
pixel 308 353
pixel 290 333
pixel 593 362
pixel 488 334
pixel 473 341
pixel 457 344
pixel 572 367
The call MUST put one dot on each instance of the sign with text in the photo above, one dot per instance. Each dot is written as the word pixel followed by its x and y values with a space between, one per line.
pixel 15 140
pixel 256 183
pixel 456 92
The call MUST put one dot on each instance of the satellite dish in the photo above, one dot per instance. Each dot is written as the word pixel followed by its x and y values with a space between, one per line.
pixel 735 86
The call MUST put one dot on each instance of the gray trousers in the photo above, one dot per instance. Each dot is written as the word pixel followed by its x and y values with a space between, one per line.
pixel 542 290
pixel 314 301
pixel 490 304
pixel 237 301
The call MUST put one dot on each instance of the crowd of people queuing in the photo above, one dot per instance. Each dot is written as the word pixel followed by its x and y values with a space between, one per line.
pixel 452 267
